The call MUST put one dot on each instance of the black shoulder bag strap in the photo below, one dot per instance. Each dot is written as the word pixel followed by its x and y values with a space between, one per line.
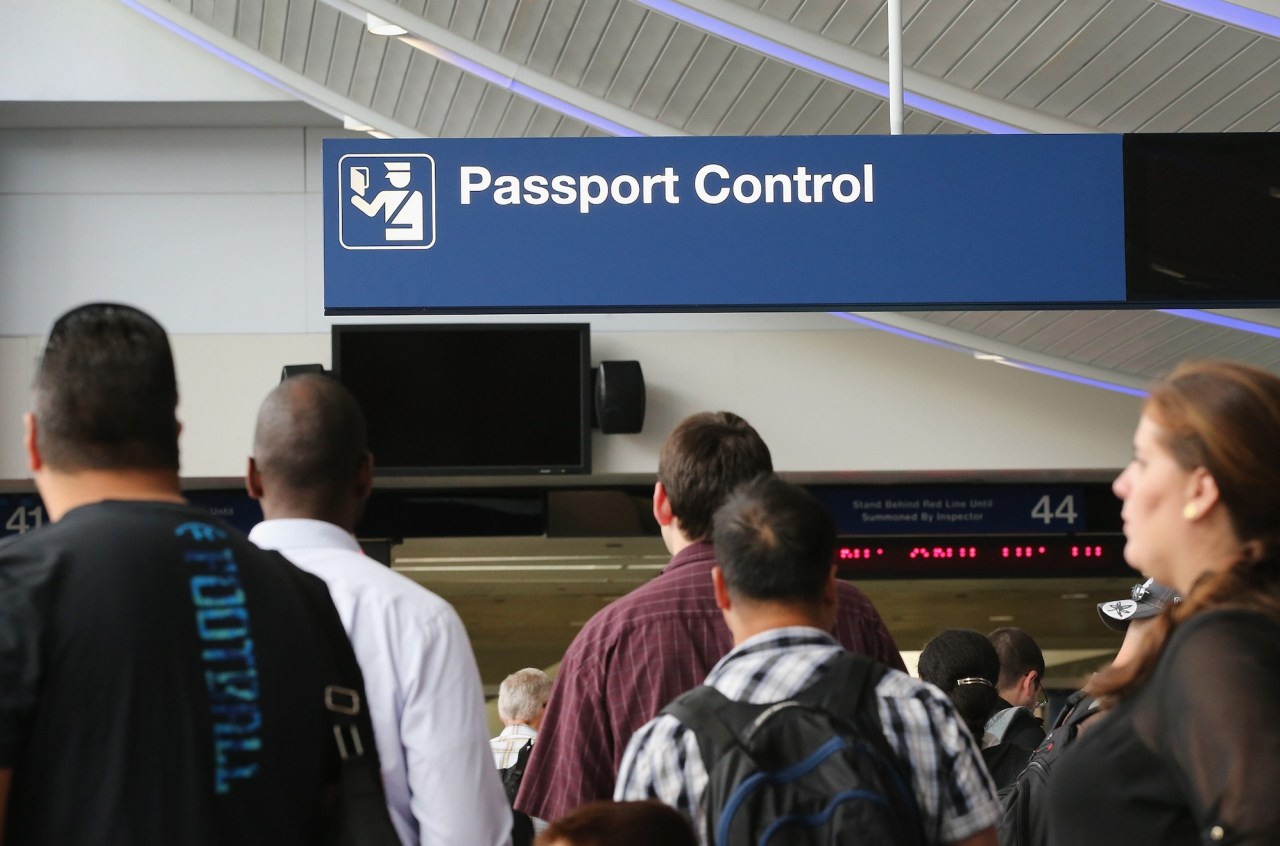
pixel 514 774
pixel 359 816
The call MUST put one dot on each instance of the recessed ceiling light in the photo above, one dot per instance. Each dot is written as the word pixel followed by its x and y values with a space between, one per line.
pixel 378 26
pixel 1075 596
pixel 1001 618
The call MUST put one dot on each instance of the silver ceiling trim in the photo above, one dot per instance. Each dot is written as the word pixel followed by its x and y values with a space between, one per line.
pixel 817 54
pixel 229 49
pixel 499 71
pixel 1000 352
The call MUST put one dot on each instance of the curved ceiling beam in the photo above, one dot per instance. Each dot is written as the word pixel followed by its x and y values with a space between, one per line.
pixel 1256 15
pixel 1258 321
pixel 275 73
pixel 998 352
pixel 848 66
pixel 499 71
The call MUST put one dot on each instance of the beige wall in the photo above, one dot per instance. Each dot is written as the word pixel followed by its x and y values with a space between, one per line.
pixel 840 400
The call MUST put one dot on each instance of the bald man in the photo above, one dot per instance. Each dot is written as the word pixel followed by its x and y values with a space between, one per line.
pixel 312 471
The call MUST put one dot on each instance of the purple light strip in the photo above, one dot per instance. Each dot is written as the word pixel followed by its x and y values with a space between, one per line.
pixel 1072 377
pixel 1223 320
pixel 820 67
pixel 461 62
pixel 903 333
pixel 221 54
pixel 588 117
pixel 1021 365
pixel 1230 13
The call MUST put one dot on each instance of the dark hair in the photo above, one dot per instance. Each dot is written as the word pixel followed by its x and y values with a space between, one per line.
pixel 1018 653
pixel 955 654
pixel 105 392
pixel 703 460
pixel 774 541
pixel 310 439
pixel 606 823
pixel 1224 417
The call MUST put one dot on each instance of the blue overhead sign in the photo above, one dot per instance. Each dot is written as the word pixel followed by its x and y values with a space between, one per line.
pixel 690 224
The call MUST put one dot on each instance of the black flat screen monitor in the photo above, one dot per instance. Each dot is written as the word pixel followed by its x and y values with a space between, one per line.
pixel 471 399
pixel 1202 218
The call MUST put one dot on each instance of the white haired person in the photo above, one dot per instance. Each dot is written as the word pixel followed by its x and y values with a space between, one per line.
pixel 522 701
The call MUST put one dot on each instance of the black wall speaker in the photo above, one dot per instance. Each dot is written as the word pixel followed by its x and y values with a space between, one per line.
pixel 299 369
pixel 619 397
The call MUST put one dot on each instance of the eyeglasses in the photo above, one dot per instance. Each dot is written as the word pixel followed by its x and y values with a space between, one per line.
pixel 1042 700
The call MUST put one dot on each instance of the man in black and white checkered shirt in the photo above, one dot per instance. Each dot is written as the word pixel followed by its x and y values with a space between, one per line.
pixel 776 586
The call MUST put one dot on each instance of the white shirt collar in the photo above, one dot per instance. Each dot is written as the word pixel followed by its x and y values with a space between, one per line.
pixel 518 730
pixel 301 533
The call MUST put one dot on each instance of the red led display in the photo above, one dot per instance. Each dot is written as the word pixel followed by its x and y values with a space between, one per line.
pixel 977 556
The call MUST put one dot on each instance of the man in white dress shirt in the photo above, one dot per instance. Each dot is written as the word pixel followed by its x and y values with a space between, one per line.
pixel 312 471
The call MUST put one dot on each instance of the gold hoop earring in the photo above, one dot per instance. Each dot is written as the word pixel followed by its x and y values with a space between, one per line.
pixel 1191 511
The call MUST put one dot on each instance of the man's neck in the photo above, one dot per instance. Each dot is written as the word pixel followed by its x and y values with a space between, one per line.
pixel 764 618
pixel 676 540
pixel 62 492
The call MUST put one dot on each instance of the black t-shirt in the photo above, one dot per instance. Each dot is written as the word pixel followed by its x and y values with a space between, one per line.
pixel 159 684
pixel 1198 747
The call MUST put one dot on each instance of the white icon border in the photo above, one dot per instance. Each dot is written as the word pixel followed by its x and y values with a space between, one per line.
pixel 382 157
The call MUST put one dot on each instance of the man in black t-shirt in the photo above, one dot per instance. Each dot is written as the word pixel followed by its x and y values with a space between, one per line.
pixel 161 679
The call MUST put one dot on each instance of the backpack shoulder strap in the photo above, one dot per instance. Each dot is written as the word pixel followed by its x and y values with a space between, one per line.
pixel 1080 707
pixel 847 688
pixel 709 714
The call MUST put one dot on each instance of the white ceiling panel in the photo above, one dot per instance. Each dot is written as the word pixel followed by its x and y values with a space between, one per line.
pixel 417 84
pixel 495 22
pixel 248 20
pixel 584 40
pixel 324 29
pixel 270 33
pixel 1118 65
pixel 663 83
pixel 1177 79
pixel 297 33
pixel 368 65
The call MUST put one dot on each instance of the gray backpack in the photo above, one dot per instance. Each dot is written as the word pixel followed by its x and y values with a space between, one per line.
pixel 814 769
pixel 1024 819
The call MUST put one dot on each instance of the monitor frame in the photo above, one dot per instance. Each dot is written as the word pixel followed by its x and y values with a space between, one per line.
pixel 393 466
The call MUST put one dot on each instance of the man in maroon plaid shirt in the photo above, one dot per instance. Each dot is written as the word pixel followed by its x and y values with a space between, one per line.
pixel 661 639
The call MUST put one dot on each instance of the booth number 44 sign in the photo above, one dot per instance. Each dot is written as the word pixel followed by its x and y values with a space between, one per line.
pixel 1066 510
